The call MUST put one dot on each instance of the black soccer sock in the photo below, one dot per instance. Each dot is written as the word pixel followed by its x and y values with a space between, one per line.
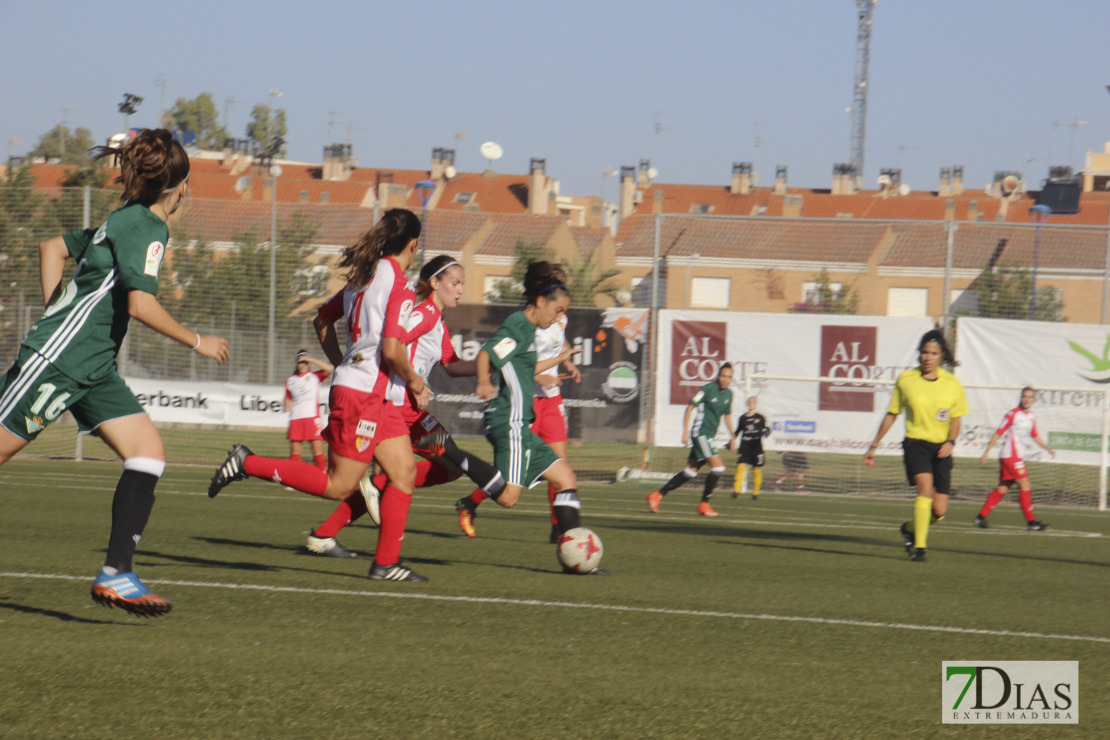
pixel 679 478
pixel 459 458
pixel 710 484
pixel 131 506
pixel 566 507
pixel 484 475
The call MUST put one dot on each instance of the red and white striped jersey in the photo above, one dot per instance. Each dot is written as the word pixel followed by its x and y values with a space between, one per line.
pixel 1018 428
pixel 429 345
pixel 378 310
pixel 304 392
pixel 549 343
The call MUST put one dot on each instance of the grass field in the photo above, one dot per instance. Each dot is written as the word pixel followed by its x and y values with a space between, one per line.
pixel 794 616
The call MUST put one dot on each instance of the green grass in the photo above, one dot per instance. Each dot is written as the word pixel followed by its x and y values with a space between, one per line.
pixel 692 636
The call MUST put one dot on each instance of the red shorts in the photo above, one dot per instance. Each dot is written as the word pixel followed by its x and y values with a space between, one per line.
pixel 304 430
pixel 1011 468
pixel 392 424
pixel 353 422
pixel 551 419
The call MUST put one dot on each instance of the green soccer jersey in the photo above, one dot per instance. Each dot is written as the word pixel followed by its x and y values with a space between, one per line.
pixel 512 351
pixel 711 404
pixel 81 330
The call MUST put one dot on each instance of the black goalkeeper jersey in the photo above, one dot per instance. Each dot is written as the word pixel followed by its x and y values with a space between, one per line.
pixel 751 430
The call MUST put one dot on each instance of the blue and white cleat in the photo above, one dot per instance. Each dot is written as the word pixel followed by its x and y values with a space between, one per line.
pixel 126 591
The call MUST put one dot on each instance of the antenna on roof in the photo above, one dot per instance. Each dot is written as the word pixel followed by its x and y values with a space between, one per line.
pixel 491 150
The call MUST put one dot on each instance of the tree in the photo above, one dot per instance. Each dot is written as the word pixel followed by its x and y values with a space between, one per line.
pixel 266 124
pixel 72 147
pixel 585 282
pixel 199 115
pixel 507 290
pixel 827 299
pixel 1004 293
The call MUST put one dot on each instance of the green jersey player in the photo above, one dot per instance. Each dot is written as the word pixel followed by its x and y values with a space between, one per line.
pixel 712 402
pixel 67 362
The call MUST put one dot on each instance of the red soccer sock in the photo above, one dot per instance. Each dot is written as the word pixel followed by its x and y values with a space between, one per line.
pixel 1025 498
pixel 992 501
pixel 321 461
pixel 292 473
pixel 551 500
pixel 395 512
pixel 478 496
pixel 294 457
pixel 348 511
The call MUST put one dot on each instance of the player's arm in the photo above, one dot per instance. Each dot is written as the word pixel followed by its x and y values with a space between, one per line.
pixel 288 405
pixel 460 369
pixel 1041 442
pixel 987 450
pixel 53 254
pixel 884 427
pixel 949 446
pixel 324 365
pixel 145 307
pixel 563 356
pixel 323 323
pixel 397 353
pixel 572 369
pixel 686 423
pixel 485 390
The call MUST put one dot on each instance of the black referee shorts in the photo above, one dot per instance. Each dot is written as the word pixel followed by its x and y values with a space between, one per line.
pixel 920 456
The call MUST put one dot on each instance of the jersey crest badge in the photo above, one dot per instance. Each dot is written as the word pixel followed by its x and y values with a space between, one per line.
pixel 154 254
pixel 504 348
pixel 34 425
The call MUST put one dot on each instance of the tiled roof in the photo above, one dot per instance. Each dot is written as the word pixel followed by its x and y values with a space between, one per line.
pixel 510 229
pixel 588 239
pixel 492 193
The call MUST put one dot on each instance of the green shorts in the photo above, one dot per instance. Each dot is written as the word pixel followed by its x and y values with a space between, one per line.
pixel 702 448
pixel 520 455
pixel 34 393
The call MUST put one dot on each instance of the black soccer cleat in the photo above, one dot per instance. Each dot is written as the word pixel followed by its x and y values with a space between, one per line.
pixel 908 539
pixel 918 555
pixel 980 522
pixel 395 572
pixel 1035 526
pixel 230 471
pixel 599 571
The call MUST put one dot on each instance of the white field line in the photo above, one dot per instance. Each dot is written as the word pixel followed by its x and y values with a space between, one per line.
pixel 788 518
pixel 596 607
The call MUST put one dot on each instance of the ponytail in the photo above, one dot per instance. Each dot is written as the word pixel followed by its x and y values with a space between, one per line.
pixel 151 165
pixel 396 230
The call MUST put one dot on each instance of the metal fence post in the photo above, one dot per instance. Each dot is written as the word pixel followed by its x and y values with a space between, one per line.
pixel 1104 458
pixel 949 250
pixel 1105 279
pixel 649 366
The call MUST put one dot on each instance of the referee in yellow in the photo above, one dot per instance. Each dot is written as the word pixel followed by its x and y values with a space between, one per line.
pixel 934 402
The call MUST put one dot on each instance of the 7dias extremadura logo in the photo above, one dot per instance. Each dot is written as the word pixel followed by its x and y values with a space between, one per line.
pixel 1010 692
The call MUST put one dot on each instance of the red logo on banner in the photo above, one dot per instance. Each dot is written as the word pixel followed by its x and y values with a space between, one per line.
pixel 847 352
pixel 697 352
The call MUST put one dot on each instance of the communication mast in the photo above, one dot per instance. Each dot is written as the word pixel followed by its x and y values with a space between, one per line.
pixel 859 91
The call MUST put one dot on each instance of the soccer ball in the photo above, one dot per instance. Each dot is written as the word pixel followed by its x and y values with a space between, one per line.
pixel 579 550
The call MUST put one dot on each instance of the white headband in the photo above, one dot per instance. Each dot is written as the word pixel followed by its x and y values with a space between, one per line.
pixel 440 270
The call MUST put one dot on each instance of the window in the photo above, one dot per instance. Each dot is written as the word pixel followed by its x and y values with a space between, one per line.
pixel 907 302
pixel 325 196
pixel 313 280
pixel 303 196
pixel 700 208
pixel 706 292
pixel 809 290
pixel 464 198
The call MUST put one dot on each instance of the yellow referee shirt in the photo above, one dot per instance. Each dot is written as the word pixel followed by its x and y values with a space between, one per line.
pixel 930 404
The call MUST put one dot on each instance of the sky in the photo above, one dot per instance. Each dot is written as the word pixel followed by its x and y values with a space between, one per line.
pixel 588 86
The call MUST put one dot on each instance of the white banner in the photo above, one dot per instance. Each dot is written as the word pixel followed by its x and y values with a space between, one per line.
pixel 826 417
pixel 1042 355
pixel 235 404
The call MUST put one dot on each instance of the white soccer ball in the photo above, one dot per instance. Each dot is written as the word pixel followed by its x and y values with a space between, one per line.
pixel 579 550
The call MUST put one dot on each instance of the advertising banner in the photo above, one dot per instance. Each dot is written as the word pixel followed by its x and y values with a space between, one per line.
pixel 605 405
pixel 825 417
pixel 1045 356
pixel 233 404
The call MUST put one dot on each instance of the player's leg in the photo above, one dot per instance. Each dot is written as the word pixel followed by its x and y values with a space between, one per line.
pixel 18 393
pixel 395 457
pixel 738 479
pixel 10 444
pixel 1025 498
pixel 559 447
pixel 993 499
pixel 318 458
pixel 567 505
pixel 294 449
pixel 757 476
pixel 716 470
pixel 135 439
